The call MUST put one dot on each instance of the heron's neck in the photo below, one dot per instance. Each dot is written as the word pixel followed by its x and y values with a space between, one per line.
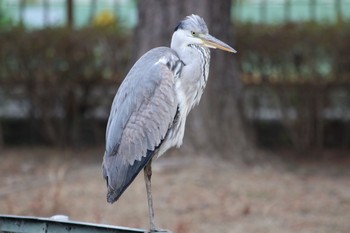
pixel 194 74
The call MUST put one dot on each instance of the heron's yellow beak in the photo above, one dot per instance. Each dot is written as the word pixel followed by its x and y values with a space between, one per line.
pixel 212 42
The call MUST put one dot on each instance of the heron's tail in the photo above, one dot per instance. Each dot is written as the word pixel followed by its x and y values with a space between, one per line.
pixel 120 175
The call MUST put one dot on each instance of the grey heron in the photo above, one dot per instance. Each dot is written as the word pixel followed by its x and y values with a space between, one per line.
pixel 149 111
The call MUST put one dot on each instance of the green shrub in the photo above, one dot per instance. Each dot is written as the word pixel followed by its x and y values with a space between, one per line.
pixel 62 75
pixel 296 71
pixel 294 52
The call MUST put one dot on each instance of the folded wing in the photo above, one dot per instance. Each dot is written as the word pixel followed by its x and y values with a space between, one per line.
pixel 142 113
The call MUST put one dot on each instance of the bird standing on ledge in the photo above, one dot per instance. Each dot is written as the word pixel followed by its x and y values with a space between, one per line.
pixel 149 111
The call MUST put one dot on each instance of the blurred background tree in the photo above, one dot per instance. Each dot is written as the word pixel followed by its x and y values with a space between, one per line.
pixel 216 123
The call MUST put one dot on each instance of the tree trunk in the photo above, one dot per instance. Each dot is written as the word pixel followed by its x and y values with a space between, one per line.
pixel 46 13
pixel 93 7
pixel 21 8
pixel 1 136
pixel 70 13
pixel 215 125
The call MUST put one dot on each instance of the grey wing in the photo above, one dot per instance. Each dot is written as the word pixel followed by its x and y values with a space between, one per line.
pixel 142 112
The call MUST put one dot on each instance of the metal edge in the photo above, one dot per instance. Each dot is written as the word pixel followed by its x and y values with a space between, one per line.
pixel 69 222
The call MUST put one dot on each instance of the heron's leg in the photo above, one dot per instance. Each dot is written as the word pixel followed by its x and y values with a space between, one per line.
pixel 148 175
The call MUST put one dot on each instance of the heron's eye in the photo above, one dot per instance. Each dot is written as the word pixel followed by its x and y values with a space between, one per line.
pixel 193 33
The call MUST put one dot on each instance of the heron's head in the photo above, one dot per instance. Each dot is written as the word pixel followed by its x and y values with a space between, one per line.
pixel 193 30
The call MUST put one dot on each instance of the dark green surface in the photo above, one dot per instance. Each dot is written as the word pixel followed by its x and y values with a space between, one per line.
pixel 16 224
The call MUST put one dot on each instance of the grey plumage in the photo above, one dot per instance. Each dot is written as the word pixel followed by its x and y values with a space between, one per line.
pixel 142 113
pixel 149 111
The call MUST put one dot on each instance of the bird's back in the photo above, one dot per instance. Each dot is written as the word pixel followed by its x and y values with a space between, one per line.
pixel 142 112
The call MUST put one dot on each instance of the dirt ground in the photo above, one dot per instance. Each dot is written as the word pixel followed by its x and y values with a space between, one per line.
pixel 192 193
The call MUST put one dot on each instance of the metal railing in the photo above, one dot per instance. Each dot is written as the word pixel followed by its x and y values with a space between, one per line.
pixel 21 224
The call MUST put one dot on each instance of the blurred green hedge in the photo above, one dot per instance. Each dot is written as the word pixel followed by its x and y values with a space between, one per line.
pixel 300 73
pixel 294 52
pixel 64 76
pixel 63 55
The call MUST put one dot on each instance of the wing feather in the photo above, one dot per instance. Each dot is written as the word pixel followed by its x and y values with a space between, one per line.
pixel 142 112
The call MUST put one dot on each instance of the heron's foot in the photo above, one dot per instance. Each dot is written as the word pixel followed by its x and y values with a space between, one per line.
pixel 158 230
